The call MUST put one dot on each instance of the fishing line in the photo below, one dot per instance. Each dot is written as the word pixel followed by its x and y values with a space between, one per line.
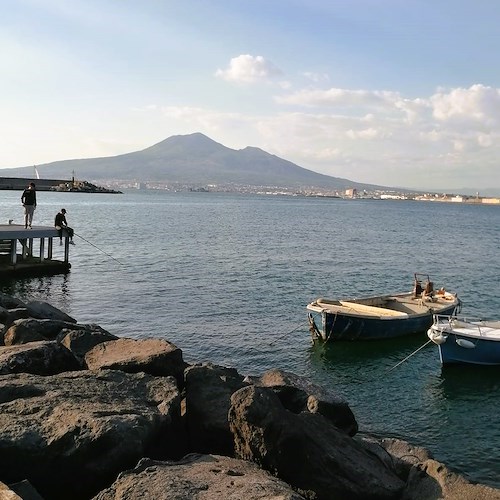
pixel 95 246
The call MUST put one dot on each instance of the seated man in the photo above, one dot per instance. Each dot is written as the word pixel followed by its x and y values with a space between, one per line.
pixel 60 224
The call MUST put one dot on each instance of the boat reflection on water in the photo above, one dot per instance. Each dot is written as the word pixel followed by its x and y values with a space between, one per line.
pixel 464 399
pixel 368 360
pixel 471 383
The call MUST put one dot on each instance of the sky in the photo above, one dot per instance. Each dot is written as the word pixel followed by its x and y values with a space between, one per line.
pixel 402 93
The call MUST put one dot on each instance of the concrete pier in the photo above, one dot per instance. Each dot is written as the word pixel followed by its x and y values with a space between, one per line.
pixel 28 252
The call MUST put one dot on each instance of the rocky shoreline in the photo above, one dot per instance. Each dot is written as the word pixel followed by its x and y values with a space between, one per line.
pixel 88 415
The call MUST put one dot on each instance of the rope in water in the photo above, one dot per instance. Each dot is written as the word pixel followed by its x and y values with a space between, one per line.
pixel 409 356
pixel 301 324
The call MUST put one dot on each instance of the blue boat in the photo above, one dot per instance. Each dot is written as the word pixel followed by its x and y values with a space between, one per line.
pixel 380 317
pixel 463 340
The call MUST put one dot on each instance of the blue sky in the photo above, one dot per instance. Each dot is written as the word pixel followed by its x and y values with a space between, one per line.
pixel 392 92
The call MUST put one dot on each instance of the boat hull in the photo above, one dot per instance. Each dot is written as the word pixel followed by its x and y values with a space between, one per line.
pixel 463 341
pixel 459 349
pixel 338 326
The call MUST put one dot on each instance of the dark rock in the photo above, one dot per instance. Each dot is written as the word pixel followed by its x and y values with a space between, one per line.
pixel 40 358
pixel 9 302
pixel 207 477
pixel 208 397
pixel 25 491
pixel 298 394
pixel 306 450
pixel 31 329
pixel 3 314
pixel 22 333
pixel 15 314
pixel 43 310
pixel 154 356
pixel 70 435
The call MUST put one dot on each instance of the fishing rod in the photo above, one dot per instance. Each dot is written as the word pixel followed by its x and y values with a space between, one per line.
pixel 100 249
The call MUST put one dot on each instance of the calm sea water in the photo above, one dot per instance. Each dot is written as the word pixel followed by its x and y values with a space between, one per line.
pixel 227 278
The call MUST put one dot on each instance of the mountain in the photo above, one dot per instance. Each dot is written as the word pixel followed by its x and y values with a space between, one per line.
pixel 193 159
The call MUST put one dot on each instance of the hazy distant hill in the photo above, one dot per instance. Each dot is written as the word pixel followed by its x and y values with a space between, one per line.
pixel 194 159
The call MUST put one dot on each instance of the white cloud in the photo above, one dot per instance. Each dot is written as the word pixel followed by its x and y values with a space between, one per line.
pixel 367 133
pixel 249 69
pixel 335 97
pixel 477 103
pixel 316 77
pixel 486 140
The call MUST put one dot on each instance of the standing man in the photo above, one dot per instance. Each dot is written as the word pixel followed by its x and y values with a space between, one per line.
pixel 28 199
pixel 60 224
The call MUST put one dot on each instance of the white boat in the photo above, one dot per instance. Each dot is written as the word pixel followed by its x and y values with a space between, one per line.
pixel 466 340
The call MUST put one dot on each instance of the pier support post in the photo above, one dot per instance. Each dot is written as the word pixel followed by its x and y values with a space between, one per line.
pixel 66 249
pixel 42 249
pixel 13 252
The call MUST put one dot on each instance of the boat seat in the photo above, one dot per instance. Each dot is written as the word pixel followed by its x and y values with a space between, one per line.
pixel 379 311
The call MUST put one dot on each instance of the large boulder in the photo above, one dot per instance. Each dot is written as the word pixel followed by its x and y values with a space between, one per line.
pixel 41 358
pixel 10 302
pixel 433 480
pixel 70 435
pixel 6 493
pixel 306 450
pixel 208 397
pixel 80 339
pixel 403 455
pixel 154 356
pixel 207 477
pixel 31 329
pixel 12 315
pixel 43 310
pixel 298 394
pixel 22 490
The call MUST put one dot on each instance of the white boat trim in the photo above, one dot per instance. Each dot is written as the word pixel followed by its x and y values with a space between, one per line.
pixel 465 327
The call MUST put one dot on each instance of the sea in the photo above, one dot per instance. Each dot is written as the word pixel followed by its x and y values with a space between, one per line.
pixel 227 277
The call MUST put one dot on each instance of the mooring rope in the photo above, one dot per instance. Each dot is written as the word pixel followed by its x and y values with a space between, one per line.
pixel 409 356
pixel 301 324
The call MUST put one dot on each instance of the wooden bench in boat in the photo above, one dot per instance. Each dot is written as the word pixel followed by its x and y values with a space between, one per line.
pixel 372 310
pixel 344 305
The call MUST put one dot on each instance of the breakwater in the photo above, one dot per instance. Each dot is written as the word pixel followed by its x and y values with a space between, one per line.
pixel 59 185
pixel 20 183
pixel 87 414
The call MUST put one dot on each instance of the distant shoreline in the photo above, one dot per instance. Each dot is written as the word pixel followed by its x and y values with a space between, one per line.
pixel 56 185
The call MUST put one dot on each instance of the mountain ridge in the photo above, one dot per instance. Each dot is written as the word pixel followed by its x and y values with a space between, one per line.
pixel 196 159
